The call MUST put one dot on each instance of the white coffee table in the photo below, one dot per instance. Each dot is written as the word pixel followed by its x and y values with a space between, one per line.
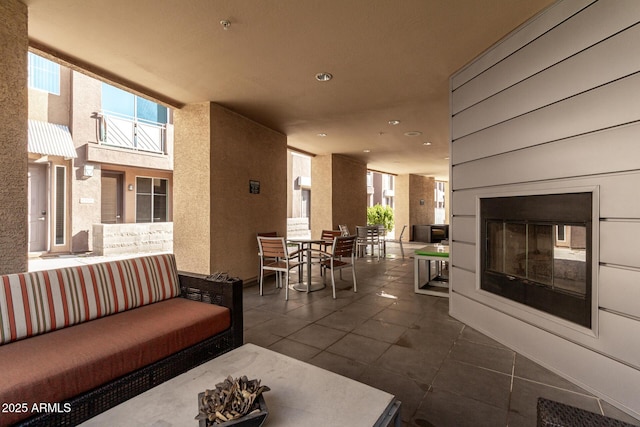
pixel 301 395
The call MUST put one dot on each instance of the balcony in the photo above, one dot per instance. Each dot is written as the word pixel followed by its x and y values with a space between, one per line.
pixel 125 141
pixel 130 133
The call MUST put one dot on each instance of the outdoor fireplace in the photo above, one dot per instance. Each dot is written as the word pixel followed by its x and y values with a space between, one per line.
pixel 536 250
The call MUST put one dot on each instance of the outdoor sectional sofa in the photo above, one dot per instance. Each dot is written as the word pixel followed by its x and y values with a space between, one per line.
pixel 77 341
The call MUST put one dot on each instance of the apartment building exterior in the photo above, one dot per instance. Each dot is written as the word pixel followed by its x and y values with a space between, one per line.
pixel 100 166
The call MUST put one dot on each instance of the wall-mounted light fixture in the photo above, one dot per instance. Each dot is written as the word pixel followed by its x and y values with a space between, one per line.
pixel 130 187
pixel 87 171
pixel 324 77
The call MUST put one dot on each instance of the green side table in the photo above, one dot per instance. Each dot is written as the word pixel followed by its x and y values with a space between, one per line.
pixel 437 284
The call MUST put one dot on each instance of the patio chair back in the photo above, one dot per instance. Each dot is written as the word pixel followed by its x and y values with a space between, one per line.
pixel 368 236
pixel 272 247
pixel 344 246
pixel 275 256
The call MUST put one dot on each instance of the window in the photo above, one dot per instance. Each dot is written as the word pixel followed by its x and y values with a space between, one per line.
pixel 44 74
pixel 151 200
pixel 126 104
pixel 561 233
pixel 59 208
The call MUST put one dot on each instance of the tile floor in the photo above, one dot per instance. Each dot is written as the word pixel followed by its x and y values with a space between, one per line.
pixel 444 372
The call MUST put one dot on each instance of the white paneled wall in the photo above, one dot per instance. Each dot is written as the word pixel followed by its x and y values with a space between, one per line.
pixel 556 105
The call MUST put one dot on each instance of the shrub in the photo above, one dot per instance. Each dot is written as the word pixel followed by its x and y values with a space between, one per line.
pixel 380 215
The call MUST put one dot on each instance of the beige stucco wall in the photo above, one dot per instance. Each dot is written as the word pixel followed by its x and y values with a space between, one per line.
pixel 13 137
pixel 192 188
pixel 217 153
pixel 349 198
pixel 321 193
pixel 85 197
pixel 243 150
pixel 401 206
pixel 421 188
pixel 339 194
pixel 409 191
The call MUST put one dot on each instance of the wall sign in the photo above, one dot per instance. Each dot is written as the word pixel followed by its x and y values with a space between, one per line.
pixel 254 187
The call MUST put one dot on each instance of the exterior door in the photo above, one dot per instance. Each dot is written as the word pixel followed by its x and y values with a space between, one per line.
pixel 38 211
pixel 111 199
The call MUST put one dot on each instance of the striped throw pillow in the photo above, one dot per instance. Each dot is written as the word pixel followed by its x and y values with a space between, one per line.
pixel 37 302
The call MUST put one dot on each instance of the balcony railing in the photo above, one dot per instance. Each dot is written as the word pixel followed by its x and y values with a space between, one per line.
pixel 131 133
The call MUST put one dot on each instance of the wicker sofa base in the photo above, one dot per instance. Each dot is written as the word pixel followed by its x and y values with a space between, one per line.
pixel 115 392
pixel 556 414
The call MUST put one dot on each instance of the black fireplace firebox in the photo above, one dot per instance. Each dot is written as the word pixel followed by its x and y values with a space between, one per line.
pixel 536 250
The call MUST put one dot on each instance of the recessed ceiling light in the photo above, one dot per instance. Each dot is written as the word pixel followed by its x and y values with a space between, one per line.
pixel 413 133
pixel 324 77
pixel 394 122
pixel 426 143
pixel 322 134
pixel 366 151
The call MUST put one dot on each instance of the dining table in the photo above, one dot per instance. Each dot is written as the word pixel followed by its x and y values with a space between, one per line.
pixel 306 244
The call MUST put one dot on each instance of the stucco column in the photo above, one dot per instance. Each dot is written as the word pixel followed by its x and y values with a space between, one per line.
pixel 338 194
pixel 401 206
pixel 14 233
pixel 414 202
pixel 192 188
pixel 218 153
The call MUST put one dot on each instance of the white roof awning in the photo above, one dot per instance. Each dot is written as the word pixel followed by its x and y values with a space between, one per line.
pixel 50 139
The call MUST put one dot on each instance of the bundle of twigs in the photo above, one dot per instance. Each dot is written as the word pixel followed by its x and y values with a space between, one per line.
pixel 230 400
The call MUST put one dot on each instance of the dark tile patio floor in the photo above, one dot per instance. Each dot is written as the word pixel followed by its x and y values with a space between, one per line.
pixel 444 372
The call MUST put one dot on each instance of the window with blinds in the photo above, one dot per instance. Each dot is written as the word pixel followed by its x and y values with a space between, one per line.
pixel 151 200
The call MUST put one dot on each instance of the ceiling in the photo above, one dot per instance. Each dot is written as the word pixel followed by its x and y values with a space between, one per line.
pixel 390 60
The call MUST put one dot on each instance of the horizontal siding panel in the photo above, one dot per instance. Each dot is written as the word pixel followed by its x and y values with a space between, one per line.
pixel 464 229
pixel 593 24
pixel 619 243
pixel 463 255
pixel 615 189
pixel 601 108
pixel 548 19
pixel 617 337
pixel 619 290
pixel 606 62
pixel 617 198
pixel 462 281
pixel 463 202
pixel 595 153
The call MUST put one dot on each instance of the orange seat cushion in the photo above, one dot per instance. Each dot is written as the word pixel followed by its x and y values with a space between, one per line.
pixel 61 364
